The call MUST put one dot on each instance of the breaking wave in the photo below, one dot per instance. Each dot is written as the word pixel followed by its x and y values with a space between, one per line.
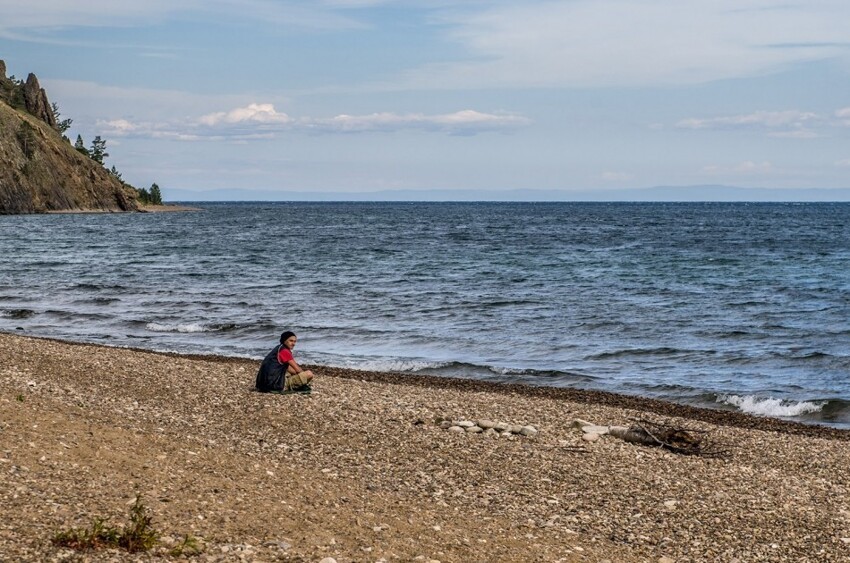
pixel 771 406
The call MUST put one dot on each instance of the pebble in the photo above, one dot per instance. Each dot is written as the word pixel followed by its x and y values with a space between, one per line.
pixel 328 560
pixel 670 503
pixel 486 424
pixel 491 432
pixel 465 423
pixel 529 431
pixel 665 559
pixel 516 428
pixel 446 424
pixel 474 429
pixel 579 423
pixel 502 427
pixel 456 429
pixel 595 429
pixel 590 437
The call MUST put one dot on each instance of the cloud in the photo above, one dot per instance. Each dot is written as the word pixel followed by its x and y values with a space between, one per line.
pixel 747 167
pixel 253 113
pixel 589 43
pixel 262 121
pixel 616 176
pixel 843 163
pixel 757 120
pixel 843 116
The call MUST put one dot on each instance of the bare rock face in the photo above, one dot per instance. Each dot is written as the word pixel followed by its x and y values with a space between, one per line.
pixel 2 69
pixel 36 101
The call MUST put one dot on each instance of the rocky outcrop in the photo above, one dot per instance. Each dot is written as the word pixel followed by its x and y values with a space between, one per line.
pixel 2 69
pixel 39 169
pixel 36 102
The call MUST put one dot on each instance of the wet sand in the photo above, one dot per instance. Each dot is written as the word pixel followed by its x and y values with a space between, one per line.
pixel 362 471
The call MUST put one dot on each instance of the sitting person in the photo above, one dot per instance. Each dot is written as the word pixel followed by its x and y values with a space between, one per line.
pixel 280 373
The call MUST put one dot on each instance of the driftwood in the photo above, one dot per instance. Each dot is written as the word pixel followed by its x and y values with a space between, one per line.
pixel 677 439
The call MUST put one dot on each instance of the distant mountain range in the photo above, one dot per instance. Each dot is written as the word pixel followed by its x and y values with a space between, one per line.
pixel 659 193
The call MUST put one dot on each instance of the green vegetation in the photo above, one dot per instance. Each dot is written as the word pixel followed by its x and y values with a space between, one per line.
pixel 62 124
pixel 152 196
pixel 189 546
pixel 136 536
pixel 26 139
pixel 97 152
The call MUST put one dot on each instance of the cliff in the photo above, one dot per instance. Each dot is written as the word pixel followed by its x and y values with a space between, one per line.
pixel 39 169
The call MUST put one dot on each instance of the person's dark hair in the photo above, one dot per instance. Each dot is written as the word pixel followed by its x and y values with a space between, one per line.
pixel 286 335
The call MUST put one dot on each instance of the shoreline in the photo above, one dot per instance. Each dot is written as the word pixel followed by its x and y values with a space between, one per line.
pixel 166 208
pixel 361 470
pixel 719 417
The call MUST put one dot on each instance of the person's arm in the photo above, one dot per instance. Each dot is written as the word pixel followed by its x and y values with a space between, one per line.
pixel 293 365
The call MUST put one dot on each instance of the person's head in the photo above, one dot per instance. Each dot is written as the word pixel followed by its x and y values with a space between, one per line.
pixel 288 339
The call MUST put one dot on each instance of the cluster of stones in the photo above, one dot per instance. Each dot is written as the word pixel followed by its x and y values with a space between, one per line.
pixel 488 428
pixel 592 432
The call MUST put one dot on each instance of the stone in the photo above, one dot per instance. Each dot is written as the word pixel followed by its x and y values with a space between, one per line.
pixel 446 424
pixel 502 426
pixel 670 504
pixel 590 437
pixel 485 424
pixel 2 69
pixel 465 424
pixel 328 560
pixel 579 423
pixel 474 429
pixel 595 429
pixel 35 100
pixel 618 431
pixel 491 432
pixel 456 429
pixel 516 428
pixel 529 431
pixel 665 559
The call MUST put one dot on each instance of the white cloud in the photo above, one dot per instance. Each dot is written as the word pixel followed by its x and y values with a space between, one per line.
pixel 843 163
pixel 586 43
pixel 843 116
pixel 253 113
pixel 616 176
pixel 262 121
pixel 759 119
pixel 747 167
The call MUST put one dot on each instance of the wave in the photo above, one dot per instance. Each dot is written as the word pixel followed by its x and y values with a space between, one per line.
pixel 659 351
pixel 771 406
pixel 17 313
pixel 191 327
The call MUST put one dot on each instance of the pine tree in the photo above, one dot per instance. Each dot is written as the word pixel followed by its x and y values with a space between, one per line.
pixel 156 195
pixel 64 124
pixel 80 146
pixel 98 150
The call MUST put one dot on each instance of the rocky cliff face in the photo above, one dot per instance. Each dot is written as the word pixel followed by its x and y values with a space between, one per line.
pixel 39 169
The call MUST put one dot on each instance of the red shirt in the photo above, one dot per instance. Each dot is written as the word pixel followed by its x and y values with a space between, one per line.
pixel 284 355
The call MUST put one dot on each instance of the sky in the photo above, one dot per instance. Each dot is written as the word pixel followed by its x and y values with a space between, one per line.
pixel 219 99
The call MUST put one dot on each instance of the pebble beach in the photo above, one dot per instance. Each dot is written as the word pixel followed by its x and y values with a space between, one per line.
pixel 384 467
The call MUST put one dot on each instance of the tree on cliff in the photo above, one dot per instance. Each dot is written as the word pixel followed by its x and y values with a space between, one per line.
pixel 97 152
pixel 64 124
pixel 81 146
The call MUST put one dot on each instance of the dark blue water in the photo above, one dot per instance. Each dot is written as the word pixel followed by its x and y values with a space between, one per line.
pixel 737 306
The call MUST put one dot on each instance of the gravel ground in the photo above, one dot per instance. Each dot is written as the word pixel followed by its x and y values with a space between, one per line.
pixel 362 471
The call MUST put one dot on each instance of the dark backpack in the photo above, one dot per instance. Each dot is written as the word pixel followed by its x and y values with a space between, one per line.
pixel 272 373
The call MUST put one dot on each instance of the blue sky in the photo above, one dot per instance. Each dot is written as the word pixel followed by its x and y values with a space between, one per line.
pixel 369 95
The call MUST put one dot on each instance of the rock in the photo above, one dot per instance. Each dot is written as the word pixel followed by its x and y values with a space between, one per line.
pixel 35 99
pixel 465 424
pixel 590 437
pixel 2 69
pixel 328 560
pixel 502 427
pixel 485 424
pixel 474 429
pixel 529 431
pixel 595 429
pixel 670 504
pixel 579 423
pixel 446 424
pixel 665 559
pixel 491 432
pixel 456 429
pixel 618 431
pixel 516 428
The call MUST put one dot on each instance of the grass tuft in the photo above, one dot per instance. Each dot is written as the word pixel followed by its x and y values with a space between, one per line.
pixel 138 535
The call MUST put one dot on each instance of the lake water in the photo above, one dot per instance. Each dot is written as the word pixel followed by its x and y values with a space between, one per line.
pixel 728 305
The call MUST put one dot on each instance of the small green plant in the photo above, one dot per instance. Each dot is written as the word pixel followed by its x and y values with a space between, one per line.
pixel 136 536
pixel 189 546
pixel 20 398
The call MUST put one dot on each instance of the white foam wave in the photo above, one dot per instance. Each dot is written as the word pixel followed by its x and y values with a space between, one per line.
pixel 770 406
pixel 190 327
pixel 386 364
